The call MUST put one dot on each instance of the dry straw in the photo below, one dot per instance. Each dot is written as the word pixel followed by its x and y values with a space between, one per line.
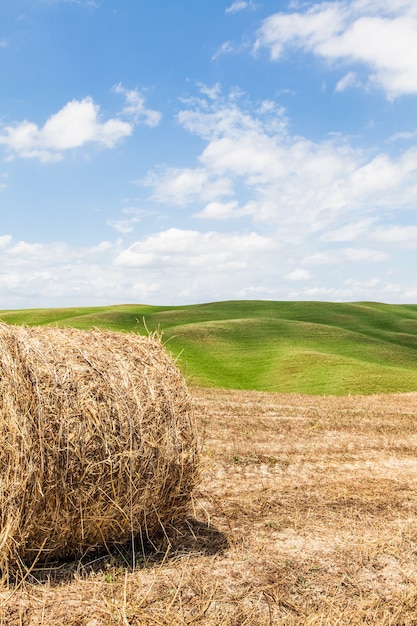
pixel 97 442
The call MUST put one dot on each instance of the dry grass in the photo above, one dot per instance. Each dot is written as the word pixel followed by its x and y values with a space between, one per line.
pixel 306 515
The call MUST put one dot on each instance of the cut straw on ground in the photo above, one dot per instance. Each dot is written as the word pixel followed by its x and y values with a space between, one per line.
pixel 306 515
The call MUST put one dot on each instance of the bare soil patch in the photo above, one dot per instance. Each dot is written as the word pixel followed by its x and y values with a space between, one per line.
pixel 306 514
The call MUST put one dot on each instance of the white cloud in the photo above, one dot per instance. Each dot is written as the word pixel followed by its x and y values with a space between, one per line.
pixel 404 235
pixel 251 165
pixel 3 43
pixel 391 182
pixel 356 255
pixel 298 274
pixel 179 266
pixel 403 135
pixel 212 250
pixel 349 80
pixel 131 217
pixel 226 48
pixel 183 186
pixel 5 240
pixel 305 30
pixel 240 5
pixel 136 109
pixel 56 274
pixel 321 258
pixel 357 290
pixel 373 289
pixel 350 231
pixel 378 35
pixel 123 226
pixel 220 211
pixel 78 123
pixel 364 255
pixel 363 284
pixel 337 294
pixel 212 92
pixel 89 4
pixel 410 295
pixel 75 125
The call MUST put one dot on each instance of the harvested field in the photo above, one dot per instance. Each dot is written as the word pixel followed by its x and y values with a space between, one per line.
pixel 306 515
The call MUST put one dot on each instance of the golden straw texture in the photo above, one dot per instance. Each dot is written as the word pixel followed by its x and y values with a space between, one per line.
pixel 97 441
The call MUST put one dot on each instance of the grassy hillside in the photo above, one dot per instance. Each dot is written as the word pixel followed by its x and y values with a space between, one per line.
pixel 304 347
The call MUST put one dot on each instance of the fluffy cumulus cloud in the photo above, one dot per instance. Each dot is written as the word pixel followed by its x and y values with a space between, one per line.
pixel 260 211
pixel 195 266
pixel 221 211
pixel 323 205
pixel 252 168
pixel 178 266
pixel 378 35
pixel 166 267
pixel 58 274
pixel 212 251
pixel 78 123
pixel 73 126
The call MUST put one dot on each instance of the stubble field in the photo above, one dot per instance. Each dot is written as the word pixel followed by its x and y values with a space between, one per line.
pixel 306 513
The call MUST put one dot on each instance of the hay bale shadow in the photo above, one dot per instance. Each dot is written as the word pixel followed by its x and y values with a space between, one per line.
pixel 195 538
pixel 200 539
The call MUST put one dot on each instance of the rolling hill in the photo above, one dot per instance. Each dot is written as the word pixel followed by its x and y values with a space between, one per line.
pixel 316 348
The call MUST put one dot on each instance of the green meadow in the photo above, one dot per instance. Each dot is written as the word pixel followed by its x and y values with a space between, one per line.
pixel 304 347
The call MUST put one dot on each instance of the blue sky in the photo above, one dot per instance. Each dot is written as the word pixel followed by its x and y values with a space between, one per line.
pixel 200 150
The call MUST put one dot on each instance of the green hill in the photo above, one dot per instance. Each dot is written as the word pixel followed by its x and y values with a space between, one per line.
pixel 304 347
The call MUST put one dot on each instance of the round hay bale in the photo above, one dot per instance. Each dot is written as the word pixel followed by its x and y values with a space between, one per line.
pixel 97 441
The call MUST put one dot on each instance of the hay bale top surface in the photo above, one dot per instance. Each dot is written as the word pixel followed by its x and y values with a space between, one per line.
pixel 97 441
